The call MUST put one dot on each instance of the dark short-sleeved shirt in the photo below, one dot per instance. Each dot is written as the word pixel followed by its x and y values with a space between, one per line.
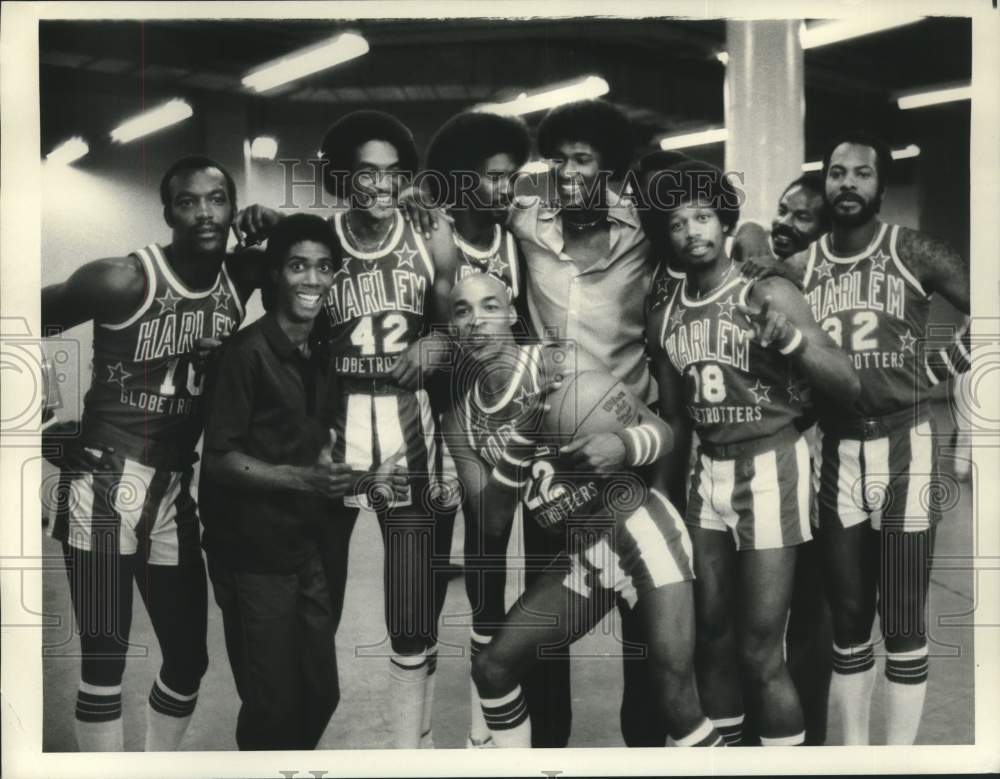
pixel 271 402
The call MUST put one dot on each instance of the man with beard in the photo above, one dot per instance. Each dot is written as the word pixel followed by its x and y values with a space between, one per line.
pixel 125 508
pixel 869 285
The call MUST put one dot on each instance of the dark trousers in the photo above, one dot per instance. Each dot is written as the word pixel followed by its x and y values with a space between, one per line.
pixel 280 640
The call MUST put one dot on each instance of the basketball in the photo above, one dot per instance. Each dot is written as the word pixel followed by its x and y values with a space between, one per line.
pixel 590 402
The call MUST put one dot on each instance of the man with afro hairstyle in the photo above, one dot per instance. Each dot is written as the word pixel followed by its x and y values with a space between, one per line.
pixel 389 288
pixel 471 161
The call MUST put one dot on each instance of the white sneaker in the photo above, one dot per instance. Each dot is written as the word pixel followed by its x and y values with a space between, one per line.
pixel 486 743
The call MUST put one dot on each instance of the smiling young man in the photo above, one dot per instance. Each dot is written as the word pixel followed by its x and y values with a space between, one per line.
pixel 268 480
pixel 732 357
pixel 126 511
pixel 869 285
pixel 389 287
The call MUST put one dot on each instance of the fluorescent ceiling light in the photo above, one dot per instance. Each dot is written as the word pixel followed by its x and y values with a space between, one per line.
pixel 911 150
pixel 811 36
pixel 586 89
pixel 934 96
pixel 313 59
pixel 264 147
pixel 148 122
pixel 68 151
pixel 535 167
pixel 700 138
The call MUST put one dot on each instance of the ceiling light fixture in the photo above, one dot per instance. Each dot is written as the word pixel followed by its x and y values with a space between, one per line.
pixel 928 97
pixel 585 89
pixel 68 151
pixel 825 33
pixel 169 113
pixel 700 138
pixel 305 62
pixel 264 147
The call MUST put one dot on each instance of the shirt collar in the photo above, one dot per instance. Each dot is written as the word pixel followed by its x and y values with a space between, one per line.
pixel 279 342
pixel 620 209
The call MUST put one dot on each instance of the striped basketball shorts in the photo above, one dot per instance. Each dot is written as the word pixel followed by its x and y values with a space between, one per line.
pixel 125 507
pixel 646 550
pixel 889 480
pixel 763 499
pixel 373 426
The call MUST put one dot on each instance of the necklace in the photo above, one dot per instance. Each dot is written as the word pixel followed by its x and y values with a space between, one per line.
pixel 359 244
pixel 580 226
pixel 699 295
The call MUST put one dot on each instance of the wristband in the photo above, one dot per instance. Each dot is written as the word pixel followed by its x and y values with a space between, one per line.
pixel 643 444
pixel 795 343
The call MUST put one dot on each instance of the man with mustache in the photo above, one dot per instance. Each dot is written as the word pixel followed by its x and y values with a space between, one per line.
pixel 869 285
pixel 125 508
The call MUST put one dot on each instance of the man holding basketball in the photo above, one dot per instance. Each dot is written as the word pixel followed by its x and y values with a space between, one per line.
pixel 619 537
pixel 735 356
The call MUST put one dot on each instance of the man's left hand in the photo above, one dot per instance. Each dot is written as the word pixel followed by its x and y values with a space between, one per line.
pixel 407 370
pixel 599 453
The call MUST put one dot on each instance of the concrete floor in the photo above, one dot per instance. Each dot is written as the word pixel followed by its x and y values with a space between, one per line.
pixel 360 721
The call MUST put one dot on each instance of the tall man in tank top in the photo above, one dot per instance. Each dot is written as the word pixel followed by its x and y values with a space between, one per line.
pixel 869 285
pixel 391 286
pixel 732 358
pixel 125 511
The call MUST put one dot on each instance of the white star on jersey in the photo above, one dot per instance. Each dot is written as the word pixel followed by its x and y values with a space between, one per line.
pixel 677 318
pixel 221 297
pixel 879 259
pixel 168 301
pixel 795 391
pixel 497 266
pixel 824 269
pixel 117 374
pixel 906 342
pixel 760 393
pixel 524 398
pixel 726 307
pixel 404 255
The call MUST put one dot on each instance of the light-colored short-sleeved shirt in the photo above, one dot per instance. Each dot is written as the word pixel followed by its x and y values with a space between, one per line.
pixel 600 308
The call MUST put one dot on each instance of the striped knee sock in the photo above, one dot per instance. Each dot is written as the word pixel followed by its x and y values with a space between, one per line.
pixel 507 718
pixel 407 685
pixel 704 735
pixel 479 732
pixel 168 714
pixel 426 723
pixel 851 689
pixel 730 728
pixel 795 740
pixel 98 721
pixel 906 673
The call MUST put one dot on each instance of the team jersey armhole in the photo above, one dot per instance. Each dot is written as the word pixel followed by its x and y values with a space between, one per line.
pixel 424 254
pixel 148 269
pixel 234 292
pixel 810 264
pixel 667 312
pixel 512 258
pixel 904 271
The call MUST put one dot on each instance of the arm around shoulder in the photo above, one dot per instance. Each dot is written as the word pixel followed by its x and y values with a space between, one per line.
pixel 107 291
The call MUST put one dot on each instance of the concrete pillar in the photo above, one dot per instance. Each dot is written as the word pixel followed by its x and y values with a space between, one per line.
pixel 765 110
